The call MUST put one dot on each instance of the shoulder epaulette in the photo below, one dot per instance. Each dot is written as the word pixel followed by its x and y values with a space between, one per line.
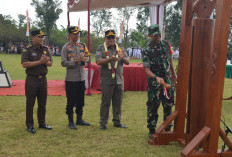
pixel 81 43
pixel 85 49
pixel 45 46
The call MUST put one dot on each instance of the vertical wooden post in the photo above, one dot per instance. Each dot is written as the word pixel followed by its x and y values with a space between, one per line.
pixel 219 52
pixel 201 69
pixel 183 66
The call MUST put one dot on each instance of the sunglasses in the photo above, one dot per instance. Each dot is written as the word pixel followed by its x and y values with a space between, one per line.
pixel 41 37
pixel 110 37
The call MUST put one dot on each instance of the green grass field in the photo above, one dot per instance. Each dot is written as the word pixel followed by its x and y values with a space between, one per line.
pixel 15 141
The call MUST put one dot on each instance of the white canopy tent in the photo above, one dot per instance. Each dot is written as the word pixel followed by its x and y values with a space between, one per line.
pixel 156 7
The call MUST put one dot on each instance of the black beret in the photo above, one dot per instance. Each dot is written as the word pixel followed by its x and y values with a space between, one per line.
pixel 109 33
pixel 38 32
pixel 74 29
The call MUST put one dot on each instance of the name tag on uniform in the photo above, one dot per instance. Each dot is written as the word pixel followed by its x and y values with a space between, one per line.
pixel 33 54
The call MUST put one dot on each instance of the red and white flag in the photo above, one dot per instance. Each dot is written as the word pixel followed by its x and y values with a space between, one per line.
pixel 165 92
pixel 27 33
pixel 121 32
pixel 163 33
pixel 79 25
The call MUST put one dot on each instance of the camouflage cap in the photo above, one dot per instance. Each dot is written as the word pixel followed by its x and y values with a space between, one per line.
pixel 154 29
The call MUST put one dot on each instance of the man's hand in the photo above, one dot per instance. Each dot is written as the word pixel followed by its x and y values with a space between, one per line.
pixel 121 55
pixel 113 58
pixel 44 59
pixel 84 59
pixel 159 80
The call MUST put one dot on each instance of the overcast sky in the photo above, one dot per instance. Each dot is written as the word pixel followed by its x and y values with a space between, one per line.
pixel 15 7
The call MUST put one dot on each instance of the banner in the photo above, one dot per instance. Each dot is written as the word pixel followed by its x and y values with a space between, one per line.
pixel 121 32
pixel 79 26
pixel 27 33
pixel 163 33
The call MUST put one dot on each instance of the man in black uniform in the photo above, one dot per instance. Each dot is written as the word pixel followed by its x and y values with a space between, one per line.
pixel 36 58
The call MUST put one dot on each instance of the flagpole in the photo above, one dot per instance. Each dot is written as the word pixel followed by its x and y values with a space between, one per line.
pixel 27 32
pixel 121 32
pixel 89 65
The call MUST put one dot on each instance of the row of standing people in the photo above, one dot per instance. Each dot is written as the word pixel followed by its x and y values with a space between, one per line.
pixel 134 52
pixel 17 48
pixel 11 48
pixel 157 63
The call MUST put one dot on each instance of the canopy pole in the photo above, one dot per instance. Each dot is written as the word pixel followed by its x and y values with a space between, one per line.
pixel 157 14
pixel 68 15
pixel 89 64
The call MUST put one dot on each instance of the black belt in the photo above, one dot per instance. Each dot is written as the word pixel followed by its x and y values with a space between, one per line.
pixel 37 76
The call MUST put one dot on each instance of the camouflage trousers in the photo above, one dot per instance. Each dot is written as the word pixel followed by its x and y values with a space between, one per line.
pixel 155 97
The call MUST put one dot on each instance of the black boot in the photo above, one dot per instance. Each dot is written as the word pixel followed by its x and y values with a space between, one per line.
pixel 71 124
pixel 80 121
pixel 151 132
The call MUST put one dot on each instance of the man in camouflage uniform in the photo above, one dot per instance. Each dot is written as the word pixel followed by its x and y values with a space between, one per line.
pixel 158 64
pixel 73 57
pixel 111 59
pixel 36 58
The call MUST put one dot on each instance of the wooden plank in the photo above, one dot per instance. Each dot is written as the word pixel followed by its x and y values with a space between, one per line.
pixel 200 73
pixel 196 141
pixel 162 139
pixel 219 51
pixel 167 122
pixel 183 66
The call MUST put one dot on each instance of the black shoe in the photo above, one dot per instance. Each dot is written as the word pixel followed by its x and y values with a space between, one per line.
pixel 45 126
pixel 72 126
pixel 82 122
pixel 31 129
pixel 103 126
pixel 151 132
pixel 120 125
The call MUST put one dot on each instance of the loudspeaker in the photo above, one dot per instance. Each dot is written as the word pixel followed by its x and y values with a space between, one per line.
pixel 5 80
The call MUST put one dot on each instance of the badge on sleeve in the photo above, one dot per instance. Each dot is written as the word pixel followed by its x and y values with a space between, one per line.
pixel 98 53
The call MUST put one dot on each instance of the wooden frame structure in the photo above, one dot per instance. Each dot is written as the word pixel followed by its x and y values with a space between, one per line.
pixel 201 71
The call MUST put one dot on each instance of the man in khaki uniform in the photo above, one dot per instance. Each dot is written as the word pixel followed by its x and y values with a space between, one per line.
pixel 36 58
pixel 111 59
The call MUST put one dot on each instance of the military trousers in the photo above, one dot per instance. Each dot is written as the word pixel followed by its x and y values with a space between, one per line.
pixel 75 93
pixel 155 97
pixel 114 93
pixel 35 88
